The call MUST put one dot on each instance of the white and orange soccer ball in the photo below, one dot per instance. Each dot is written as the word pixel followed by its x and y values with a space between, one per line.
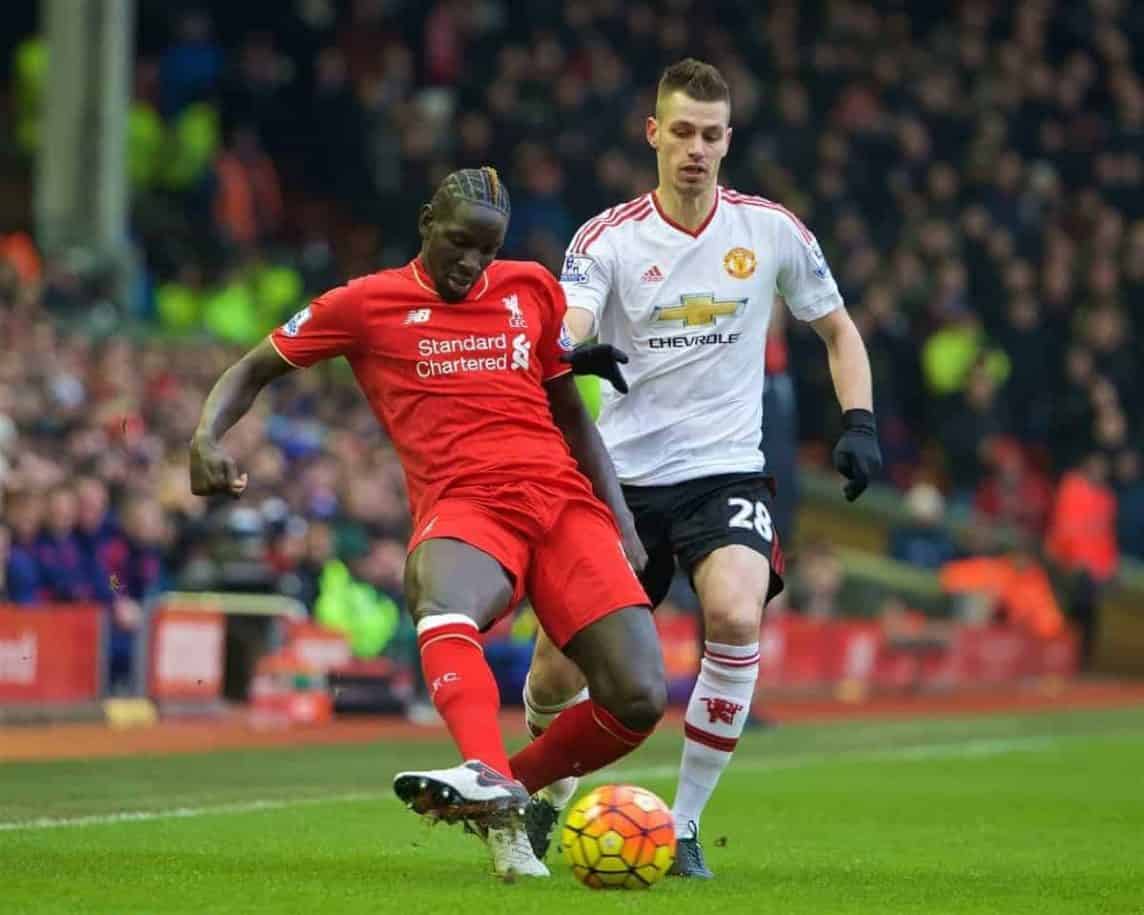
pixel 619 837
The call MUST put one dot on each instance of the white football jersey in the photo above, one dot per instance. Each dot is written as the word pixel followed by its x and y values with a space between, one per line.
pixel 691 309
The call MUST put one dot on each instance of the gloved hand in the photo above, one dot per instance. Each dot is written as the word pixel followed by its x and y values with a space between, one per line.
pixel 600 359
pixel 857 455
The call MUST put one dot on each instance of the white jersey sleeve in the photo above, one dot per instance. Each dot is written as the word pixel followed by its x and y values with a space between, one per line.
pixel 587 277
pixel 804 279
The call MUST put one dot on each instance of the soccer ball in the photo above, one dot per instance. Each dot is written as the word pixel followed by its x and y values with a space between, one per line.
pixel 619 837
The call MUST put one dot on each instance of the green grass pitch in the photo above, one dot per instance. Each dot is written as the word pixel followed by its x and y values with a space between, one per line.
pixel 1039 814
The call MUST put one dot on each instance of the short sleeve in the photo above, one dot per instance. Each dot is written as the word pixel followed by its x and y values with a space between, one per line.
pixel 330 326
pixel 554 340
pixel 804 278
pixel 586 277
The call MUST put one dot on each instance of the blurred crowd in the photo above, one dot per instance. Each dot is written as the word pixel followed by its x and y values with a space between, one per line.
pixel 974 172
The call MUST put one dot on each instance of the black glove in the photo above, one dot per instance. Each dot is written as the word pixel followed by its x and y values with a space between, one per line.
pixel 857 455
pixel 600 359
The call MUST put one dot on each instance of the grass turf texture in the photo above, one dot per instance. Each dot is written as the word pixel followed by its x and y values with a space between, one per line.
pixel 1041 814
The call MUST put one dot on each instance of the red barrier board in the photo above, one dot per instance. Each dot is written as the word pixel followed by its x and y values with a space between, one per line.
pixel 50 653
pixel 798 653
pixel 186 654
pixel 318 648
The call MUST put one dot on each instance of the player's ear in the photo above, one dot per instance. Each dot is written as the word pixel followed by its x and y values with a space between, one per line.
pixel 425 221
pixel 651 130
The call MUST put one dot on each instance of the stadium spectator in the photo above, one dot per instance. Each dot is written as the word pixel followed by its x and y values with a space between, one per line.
pixel 1015 585
pixel 1014 493
pixel 924 541
pixel 248 201
pixel 818 582
pixel 146 537
pixel 193 63
pixel 969 431
pixel 68 572
pixel 24 581
pixel 1082 541
pixel 99 537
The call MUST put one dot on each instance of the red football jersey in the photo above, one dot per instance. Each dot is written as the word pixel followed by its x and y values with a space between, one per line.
pixel 457 385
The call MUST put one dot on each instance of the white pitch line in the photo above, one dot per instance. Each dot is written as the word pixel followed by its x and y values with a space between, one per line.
pixel 965 749
pixel 183 813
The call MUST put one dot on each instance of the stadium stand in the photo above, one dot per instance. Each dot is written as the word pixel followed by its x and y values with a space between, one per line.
pixel 976 179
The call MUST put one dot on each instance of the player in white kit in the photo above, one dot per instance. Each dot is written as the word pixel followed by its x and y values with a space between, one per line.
pixel 683 280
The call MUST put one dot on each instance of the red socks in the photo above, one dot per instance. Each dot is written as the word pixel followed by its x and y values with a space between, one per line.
pixel 462 687
pixel 583 738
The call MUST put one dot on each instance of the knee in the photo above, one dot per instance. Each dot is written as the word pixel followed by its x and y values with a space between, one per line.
pixel 552 678
pixel 638 700
pixel 732 585
pixel 736 620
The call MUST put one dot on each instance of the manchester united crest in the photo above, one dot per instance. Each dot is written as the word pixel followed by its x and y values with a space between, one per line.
pixel 740 262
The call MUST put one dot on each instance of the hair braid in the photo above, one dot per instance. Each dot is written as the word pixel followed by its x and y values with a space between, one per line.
pixel 474 185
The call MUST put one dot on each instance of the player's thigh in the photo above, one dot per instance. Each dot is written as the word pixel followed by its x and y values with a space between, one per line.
pixel 727 541
pixel 443 575
pixel 731 583
pixel 593 607
pixel 578 572
pixel 553 678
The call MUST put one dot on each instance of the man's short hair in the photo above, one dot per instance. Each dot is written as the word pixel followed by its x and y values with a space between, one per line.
pixel 696 79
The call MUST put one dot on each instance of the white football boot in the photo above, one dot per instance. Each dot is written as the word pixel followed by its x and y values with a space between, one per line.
pixel 512 853
pixel 470 792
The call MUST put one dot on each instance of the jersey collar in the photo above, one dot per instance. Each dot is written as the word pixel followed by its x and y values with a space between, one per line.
pixel 681 228
pixel 421 278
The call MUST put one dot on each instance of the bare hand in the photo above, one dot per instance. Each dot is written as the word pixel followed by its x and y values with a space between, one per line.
pixel 213 471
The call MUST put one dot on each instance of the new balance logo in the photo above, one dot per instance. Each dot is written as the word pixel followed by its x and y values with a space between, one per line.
pixel 721 710
pixel 418 316
pixel 521 349
pixel 515 315
pixel 652 275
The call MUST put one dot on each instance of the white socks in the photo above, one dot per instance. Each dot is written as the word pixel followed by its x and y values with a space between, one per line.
pixel 716 715
pixel 539 717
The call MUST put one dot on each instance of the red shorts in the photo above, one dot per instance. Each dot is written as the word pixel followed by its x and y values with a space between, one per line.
pixel 563 552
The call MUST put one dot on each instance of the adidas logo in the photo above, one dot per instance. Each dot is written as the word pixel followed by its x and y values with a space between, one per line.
pixel 652 275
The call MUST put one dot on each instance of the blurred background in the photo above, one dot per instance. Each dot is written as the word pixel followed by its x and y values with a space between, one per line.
pixel 178 178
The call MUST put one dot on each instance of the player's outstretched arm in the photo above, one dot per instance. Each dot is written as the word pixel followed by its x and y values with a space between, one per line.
pixel 857 455
pixel 588 449
pixel 213 471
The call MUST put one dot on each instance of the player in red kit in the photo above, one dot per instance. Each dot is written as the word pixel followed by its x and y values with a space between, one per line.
pixel 465 361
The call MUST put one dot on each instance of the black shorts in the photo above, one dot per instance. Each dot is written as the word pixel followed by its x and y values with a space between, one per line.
pixel 690 520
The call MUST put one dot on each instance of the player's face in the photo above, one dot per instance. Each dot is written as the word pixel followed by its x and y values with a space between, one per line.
pixel 459 244
pixel 690 139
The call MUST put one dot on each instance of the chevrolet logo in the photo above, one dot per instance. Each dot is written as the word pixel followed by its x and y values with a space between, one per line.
pixel 699 310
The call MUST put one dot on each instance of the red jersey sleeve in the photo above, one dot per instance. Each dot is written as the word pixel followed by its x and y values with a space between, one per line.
pixel 554 339
pixel 328 327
